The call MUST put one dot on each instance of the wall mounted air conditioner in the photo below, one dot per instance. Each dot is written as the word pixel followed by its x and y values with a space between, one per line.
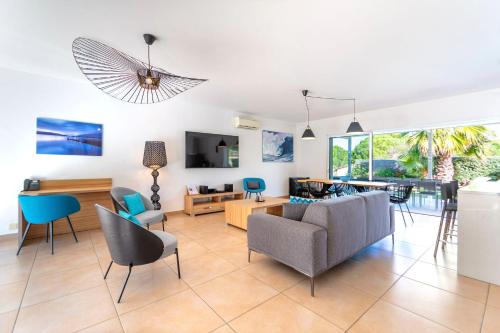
pixel 240 122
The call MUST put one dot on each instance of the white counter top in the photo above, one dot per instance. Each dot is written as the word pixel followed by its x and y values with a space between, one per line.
pixel 487 188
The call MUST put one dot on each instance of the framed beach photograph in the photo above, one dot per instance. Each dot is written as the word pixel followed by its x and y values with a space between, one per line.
pixel 277 146
pixel 66 137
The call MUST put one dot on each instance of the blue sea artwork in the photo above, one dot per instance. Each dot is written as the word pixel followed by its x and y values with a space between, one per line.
pixel 66 137
pixel 277 146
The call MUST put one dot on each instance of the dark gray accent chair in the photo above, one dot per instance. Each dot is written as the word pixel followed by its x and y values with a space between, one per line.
pixel 314 238
pixel 132 245
pixel 150 216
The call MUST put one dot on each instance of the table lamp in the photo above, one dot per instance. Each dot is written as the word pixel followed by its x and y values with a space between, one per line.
pixel 155 157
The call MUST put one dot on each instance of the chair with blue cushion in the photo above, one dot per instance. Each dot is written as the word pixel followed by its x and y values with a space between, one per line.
pixel 131 245
pixel 253 185
pixel 147 217
pixel 46 209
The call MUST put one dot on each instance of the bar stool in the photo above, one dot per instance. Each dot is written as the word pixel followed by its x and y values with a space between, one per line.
pixel 449 213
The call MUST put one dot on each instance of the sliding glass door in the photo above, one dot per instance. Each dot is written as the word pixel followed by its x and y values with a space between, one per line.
pixel 349 157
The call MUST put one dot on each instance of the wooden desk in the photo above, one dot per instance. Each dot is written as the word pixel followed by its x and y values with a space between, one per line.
pixel 87 191
pixel 237 211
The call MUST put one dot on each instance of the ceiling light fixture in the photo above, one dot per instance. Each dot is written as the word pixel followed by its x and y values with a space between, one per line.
pixel 354 126
pixel 308 133
pixel 125 77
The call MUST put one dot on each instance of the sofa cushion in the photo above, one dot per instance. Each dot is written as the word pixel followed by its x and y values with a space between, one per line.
pixel 344 219
pixel 169 242
pixel 378 219
pixel 294 211
pixel 150 217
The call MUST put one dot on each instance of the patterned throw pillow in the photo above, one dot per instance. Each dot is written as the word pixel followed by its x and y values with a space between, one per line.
pixel 300 200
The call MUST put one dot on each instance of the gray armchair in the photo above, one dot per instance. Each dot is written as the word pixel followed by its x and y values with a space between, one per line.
pixel 150 216
pixel 130 245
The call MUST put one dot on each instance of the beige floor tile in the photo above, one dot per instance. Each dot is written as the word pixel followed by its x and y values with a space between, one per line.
pixel 187 250
pixel 387 318
pixel 384 260
pixel 145 287
pixel 233 294
pixel 217 240
pixel 182 312
pixel 223 329
pixel 7 321
pixel 449 280
pixel 10 257
pixel 451 310
pixel 11 295
pixel 204 268
pixel 68 313
pixel 15 272
pixel 108 326
pixel 494 295
pixel 334 300
pixel 364 277
pixel 63 261
pixel 491 323
pixel 64 244
pixel 55 284
pixel 280 314
pixel 401 248
pixel 275 274
pixel 10 245
pixel 445 258
pixel 238 254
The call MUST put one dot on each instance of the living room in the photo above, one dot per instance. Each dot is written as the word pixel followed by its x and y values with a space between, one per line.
pixel 333 119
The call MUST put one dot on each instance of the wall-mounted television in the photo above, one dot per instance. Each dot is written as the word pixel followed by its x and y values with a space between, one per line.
pixel 205 150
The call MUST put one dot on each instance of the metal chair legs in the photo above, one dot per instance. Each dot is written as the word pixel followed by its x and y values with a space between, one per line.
pixel 402 213
pixel 47 233
pixel 24 237
pixel 107 271
pixel 163 224
pixel 413 222
pixel 178 266
pixel 249 253
pixel 72 230
pixel 393 239
pixel 52 236
pixel 125 284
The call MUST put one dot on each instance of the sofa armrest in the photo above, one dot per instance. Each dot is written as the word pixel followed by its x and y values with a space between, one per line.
pixel 302 246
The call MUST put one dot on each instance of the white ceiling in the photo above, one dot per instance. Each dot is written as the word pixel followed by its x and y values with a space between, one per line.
pixel 259 54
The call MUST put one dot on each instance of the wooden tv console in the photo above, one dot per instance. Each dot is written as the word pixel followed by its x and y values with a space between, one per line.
pixel 208 203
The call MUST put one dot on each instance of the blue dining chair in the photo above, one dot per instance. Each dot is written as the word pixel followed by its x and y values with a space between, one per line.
pixel 45 209
pixel 253 185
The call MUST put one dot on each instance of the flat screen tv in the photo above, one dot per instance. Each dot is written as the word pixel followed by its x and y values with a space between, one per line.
pixel 204 150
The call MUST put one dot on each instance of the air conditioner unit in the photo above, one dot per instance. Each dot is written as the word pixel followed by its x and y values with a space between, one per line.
pixel 240 122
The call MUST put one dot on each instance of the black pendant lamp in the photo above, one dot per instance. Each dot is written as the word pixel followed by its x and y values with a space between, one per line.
pixel 308 133
pixel 354 126
pixel 221 144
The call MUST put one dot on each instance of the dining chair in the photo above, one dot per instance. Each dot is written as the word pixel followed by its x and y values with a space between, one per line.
pixel 448 216
pixel 401 195
pixel 148 217
pixel 253 185
pixel 131 245
pixel 45 209
pixel 318 190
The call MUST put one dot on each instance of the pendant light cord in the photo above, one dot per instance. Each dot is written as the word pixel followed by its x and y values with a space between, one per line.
pixel 307 107
pixel 149 60
pixel 335 99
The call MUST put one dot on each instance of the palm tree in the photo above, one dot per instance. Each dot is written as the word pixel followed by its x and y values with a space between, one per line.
pixel 449 142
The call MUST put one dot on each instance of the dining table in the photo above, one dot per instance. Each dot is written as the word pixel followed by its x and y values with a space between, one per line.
pixel 360 185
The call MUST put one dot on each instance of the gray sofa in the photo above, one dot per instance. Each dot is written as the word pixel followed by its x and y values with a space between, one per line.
pixel 313 238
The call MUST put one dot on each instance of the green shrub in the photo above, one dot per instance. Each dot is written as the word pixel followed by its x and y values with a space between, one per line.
pixel 385 172
pixel 468 168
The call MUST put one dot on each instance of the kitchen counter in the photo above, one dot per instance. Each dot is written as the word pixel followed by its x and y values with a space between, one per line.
pixel 479 231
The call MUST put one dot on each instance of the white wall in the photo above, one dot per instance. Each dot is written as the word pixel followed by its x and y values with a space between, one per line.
pixel 478 107
pixel 126 126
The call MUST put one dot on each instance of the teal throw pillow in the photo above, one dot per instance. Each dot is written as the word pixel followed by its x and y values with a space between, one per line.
pixel 134 203
pixel 300 200
pixel 129 217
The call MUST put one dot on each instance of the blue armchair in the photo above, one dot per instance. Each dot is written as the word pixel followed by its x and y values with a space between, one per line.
pixel 46 209
pixel 253 185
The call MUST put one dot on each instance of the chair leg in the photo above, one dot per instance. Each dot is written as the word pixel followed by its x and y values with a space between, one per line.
pixel 125 284
pixel 413 222
pixel 311 279
pixel 52 236
pixel 107 271
pixel 72 230
pixel 249 253
pixel 439 233
pixel 163 225
pixel 402 214
pixel 47 233
pixel 393 239
pixel 24 237
pixel 147 225
pixel 446 229
pixel 178 266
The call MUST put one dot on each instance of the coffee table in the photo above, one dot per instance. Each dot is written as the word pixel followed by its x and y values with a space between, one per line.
pixel 237 211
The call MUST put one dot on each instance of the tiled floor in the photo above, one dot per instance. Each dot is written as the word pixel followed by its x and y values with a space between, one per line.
pixel 381 289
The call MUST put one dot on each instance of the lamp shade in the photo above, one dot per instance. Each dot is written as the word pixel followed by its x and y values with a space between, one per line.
pixel 155 156
pixel 308 134
pixel 354 127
